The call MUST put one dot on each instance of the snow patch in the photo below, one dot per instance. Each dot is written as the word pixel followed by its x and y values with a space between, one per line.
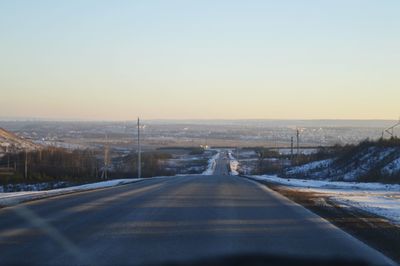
pixel 234 164
pixel 212 162
pixel 12 198
pixel 392 168
pixel 377 198
pixel 304 169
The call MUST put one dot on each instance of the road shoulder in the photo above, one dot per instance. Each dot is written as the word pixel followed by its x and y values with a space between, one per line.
pixel 373 230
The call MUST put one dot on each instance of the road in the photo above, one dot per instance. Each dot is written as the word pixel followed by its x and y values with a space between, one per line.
pixel 170 219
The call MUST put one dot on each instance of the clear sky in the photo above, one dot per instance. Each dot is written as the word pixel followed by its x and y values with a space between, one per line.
pixel 115 60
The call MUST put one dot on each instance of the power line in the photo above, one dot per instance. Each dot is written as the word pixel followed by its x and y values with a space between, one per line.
pixel 390 130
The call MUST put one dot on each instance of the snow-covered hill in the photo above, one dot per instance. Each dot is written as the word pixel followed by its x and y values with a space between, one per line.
pixel 11 142
pixel 364 162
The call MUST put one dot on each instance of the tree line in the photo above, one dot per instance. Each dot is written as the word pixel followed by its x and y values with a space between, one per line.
pixel 58 164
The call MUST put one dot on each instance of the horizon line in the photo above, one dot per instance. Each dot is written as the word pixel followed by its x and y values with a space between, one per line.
pixel 44 119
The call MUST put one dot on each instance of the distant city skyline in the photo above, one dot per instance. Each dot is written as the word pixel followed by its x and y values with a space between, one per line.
pixel 102 60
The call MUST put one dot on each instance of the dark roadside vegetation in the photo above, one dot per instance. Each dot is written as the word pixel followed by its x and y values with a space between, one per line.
pixel 59 167
pixel 369 156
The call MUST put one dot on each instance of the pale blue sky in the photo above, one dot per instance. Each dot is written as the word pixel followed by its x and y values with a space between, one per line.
pixel 200 59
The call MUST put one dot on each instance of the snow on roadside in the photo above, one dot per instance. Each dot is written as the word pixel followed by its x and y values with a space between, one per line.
pixel 383 204
pixel 212 162
pixel 376 198
pixel 12 198
pixel 234 164
pixel 310 183
pixel 33 187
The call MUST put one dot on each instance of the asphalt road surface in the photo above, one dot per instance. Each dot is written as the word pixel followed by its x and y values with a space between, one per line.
pixel 170 219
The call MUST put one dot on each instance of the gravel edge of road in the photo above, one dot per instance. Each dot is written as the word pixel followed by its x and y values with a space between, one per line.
pixel 375 231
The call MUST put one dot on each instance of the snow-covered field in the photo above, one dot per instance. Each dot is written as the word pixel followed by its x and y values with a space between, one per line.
pixel 376 198
pixel 12 198
pixel 59 144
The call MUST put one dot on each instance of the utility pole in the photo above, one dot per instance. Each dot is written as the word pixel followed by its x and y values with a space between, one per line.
pixel 106 159
pixel 291 148
pixel 298 141
pixel 15 158
pixel 26 164
pixel 8 157
pixel 139 149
